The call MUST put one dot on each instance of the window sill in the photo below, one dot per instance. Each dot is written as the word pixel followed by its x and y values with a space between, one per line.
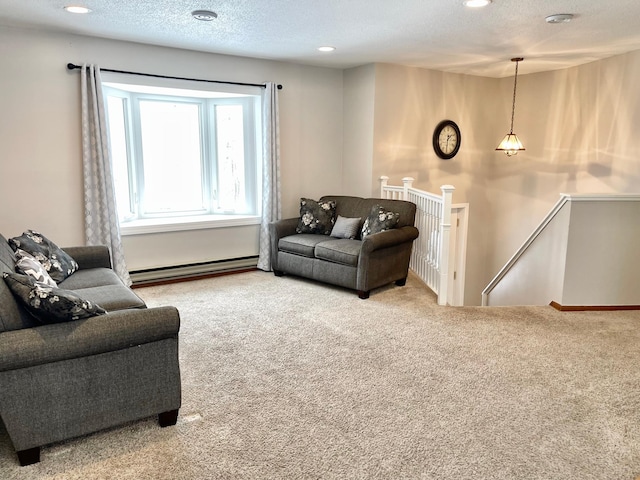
pixel 178 224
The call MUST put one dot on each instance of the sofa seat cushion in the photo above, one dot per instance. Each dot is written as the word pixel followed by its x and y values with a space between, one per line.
pixel 302 244
pixel 92 277
pixel 104 287
pixel 111 297
pixel 343 251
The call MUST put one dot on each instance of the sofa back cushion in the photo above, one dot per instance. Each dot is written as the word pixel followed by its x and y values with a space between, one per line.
pixel 7 255
pixel 12 315
pixel 351 207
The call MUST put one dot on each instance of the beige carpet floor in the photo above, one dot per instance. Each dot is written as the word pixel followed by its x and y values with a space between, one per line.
pixel 285 378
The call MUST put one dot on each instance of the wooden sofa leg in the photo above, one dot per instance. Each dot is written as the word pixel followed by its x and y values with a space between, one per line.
pixel 363 295
pixel 278 273
pixel 402 282
pixel 29 456
pixel 166 419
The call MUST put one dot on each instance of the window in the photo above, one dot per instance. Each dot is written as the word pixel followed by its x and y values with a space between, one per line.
pixel 184 158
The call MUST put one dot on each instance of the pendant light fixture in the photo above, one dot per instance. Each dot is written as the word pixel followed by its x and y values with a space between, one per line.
pixel 511 144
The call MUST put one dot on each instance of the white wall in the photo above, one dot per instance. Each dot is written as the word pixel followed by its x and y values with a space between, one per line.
pixel 602 254
pixel 40 143
pixel 537 277
pixel 587 255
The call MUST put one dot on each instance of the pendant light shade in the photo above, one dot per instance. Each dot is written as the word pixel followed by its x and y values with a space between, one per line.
pixel 511 144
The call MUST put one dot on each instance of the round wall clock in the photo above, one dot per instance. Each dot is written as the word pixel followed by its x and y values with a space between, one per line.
pixel 446 139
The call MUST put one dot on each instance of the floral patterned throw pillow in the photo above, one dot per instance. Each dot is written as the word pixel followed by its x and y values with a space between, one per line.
pixel 379 220
pixel 50 304
pixel 316 217
pixel 57 262
pixel 28 265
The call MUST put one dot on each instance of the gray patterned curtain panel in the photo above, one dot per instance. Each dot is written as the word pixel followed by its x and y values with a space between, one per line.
pixel 100 212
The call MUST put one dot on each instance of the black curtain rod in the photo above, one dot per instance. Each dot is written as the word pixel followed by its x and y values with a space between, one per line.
pixel 71 66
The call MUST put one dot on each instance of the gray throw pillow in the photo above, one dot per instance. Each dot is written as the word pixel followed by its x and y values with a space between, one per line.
pixel 57 262
pixel 316 217
pixel 50 304
pixel 345 227
pixel 379 220
pixel 28 265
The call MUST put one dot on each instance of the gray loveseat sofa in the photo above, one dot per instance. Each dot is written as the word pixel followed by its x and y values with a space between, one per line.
pixel 63 380
pixel 355 263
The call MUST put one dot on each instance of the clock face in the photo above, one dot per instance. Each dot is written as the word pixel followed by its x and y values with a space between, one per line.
pixel 446 139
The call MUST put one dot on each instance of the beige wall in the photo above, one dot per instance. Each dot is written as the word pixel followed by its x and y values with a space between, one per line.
pixel 359 95
pixel 40 144
pixel 409 103
pixel 577 126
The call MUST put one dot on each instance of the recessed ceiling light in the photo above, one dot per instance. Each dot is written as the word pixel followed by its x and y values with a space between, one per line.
pixel 76 9
pixel 476 3
pixel 326 49
pixel 204 15
pixel 559 18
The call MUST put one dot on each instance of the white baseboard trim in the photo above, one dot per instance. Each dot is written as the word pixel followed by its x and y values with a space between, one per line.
pixel 592 308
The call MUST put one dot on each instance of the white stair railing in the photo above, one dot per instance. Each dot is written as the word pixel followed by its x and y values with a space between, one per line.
pixel 430 253
pixel 523 248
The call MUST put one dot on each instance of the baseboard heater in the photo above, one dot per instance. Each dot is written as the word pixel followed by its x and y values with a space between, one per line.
pixel 192 271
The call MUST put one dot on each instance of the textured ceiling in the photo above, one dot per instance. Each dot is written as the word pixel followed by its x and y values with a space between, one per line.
pixel 436 34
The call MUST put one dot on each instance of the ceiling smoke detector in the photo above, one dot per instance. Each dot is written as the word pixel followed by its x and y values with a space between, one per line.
pixel 559 18
pixel 204 15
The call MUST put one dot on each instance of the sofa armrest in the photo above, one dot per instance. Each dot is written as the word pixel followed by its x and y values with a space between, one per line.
pixel 90 256
pixel 80 338
pixel 277 230
pixel 283 228
pixel 389 238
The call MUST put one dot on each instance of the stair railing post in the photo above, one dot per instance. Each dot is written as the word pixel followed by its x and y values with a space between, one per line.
pixel 383 184
pixel 445 235
pixel 407 183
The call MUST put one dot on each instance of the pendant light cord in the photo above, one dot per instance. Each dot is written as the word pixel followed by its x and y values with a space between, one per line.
pixel 515 84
